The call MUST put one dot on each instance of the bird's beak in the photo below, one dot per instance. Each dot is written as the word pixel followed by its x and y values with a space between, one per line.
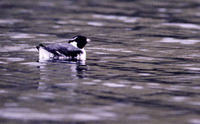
pixel 88 40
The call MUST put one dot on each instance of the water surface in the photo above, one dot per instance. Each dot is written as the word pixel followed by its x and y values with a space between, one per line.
pixel 142 63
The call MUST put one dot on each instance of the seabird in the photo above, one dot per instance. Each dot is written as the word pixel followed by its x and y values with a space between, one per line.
pixel 71 50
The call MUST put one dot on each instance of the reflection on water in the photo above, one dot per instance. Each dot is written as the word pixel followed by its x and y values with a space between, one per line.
pixel 115 18
pixel 182 41
pixel 183 25
pixel 142 63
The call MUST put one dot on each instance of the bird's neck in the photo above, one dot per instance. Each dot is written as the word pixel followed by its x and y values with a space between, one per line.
pixel 74 44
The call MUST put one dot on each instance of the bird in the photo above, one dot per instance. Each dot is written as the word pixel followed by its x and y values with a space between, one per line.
pixel 74 49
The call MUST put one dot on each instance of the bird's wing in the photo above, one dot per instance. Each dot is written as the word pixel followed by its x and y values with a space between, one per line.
pixel 53 48
pixel 63 48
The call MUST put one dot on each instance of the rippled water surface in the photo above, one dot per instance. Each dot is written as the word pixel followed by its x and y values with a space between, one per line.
pixel 143 63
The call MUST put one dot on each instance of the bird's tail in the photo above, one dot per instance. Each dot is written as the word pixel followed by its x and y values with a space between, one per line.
pixel 43 53
pixel 40 45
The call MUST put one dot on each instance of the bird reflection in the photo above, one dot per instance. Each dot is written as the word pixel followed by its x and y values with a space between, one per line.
pixel 61 72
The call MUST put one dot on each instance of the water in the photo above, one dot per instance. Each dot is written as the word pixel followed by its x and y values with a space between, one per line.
pixel 143 63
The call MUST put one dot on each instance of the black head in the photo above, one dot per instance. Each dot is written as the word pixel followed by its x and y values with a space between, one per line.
pixel 80 40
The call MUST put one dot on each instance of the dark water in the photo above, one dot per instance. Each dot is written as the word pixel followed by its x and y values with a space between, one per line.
pixel 143 63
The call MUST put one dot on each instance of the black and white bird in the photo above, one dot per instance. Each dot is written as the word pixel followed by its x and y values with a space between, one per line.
pixel 71 50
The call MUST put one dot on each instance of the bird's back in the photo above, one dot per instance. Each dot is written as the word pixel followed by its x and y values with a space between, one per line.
pixel 63 48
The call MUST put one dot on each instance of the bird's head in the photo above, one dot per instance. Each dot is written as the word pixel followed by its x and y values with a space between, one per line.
pixel 79 41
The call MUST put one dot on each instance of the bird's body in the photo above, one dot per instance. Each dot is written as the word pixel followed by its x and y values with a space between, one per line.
pixel 71 50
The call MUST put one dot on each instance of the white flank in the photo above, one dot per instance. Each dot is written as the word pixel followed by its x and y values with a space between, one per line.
pixel 44 54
